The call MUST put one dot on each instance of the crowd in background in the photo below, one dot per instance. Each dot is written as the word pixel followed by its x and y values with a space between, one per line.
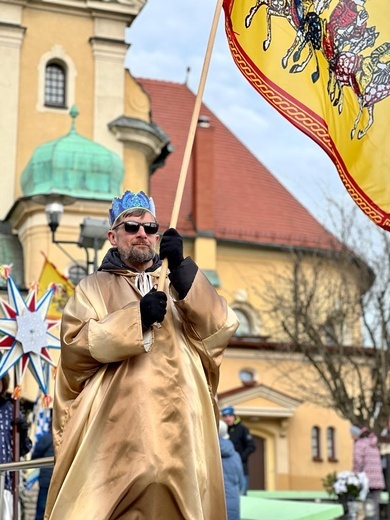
pixel 371 455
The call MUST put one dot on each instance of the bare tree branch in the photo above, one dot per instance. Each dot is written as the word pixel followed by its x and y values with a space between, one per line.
pixel 333 308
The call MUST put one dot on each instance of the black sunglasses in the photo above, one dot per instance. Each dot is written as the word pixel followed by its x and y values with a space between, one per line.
pixel 132 227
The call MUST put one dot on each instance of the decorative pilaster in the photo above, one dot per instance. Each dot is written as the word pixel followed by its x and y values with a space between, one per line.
pixel 11 38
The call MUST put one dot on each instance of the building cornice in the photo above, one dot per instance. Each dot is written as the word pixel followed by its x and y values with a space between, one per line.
pixel 119 10
pixel 109 49
pixel 21 3
pixel 11 35
pixel 263 411
pixel 140 134
pixel 284 405
pixel 115 6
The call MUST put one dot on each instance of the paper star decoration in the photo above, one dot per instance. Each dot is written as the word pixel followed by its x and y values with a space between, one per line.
pixel 26 338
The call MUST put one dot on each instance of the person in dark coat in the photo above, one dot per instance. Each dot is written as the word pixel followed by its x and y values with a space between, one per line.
pixel 233 473
pixel 43 448
pixel 7 424
pixel 241 438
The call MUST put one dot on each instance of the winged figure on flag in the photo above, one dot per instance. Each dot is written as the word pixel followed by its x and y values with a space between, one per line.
pixel 325 66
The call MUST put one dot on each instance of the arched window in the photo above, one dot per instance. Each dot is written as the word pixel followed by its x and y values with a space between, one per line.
pixel 331 444
pixel 316 443
pixel 244 328
pixel 55 84
pixel 56 81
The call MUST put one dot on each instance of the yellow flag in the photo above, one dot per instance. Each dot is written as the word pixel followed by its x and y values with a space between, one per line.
pixel 325 66
pixel 50 276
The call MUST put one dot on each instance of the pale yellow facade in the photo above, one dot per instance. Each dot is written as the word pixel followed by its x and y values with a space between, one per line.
pixel 277 415
pixel 89 37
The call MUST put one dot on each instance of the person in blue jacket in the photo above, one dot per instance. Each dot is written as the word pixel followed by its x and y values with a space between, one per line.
pixel 241 438
pixel 43 448
pixel 233 473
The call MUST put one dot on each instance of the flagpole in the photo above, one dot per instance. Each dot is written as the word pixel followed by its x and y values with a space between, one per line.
pixel 191 135
pixel 16 452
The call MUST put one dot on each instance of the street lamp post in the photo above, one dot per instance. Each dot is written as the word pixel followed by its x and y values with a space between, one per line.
pixel 93 234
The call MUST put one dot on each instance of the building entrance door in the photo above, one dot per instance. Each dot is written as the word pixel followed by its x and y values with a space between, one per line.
pixel 256 465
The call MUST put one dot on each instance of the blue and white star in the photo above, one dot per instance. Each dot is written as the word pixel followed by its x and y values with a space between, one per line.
pixel 26 338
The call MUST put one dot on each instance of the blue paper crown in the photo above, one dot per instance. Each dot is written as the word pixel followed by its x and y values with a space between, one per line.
pixel 130 200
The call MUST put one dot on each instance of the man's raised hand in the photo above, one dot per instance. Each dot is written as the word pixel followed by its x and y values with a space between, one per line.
pixel 171 247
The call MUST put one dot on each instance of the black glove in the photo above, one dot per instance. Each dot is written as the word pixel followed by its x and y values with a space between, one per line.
pixel 153 308
pixel 21 424
pixel 25 443
pixel 171 247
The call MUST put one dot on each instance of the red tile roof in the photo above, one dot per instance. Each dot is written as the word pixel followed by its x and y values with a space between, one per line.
pixel 250 203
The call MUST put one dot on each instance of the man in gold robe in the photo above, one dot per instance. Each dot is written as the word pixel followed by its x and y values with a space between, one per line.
pixel 134 425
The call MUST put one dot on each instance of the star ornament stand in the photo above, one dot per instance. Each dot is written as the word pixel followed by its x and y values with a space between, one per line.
pixel 24 344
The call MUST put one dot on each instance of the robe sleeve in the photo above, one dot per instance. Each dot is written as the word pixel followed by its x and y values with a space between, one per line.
pixel 90 336
pixel 206 315
pixel 208 322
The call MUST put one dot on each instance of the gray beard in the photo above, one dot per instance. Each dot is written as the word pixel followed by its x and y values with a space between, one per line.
pixel 137 256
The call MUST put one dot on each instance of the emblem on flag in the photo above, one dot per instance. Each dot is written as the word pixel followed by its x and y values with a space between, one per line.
pixel 325 66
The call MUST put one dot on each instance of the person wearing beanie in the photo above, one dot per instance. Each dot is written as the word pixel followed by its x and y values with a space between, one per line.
pixel 366 457
pixel 241 438
pixel 233 473
pixel 134 416
pixel 355 431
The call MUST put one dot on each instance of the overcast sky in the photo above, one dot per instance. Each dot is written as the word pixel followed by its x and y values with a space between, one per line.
pixel 170 35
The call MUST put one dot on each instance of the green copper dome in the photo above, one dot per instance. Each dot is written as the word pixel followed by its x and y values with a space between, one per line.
pixel 73 165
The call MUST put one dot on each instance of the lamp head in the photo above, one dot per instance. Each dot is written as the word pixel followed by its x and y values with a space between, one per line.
pixel 93 233
pixel 54 211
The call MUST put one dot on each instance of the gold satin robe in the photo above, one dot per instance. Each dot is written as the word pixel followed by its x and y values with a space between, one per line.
pixel 135 432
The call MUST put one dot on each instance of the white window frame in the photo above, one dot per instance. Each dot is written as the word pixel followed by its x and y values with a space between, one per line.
pixel 57 53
